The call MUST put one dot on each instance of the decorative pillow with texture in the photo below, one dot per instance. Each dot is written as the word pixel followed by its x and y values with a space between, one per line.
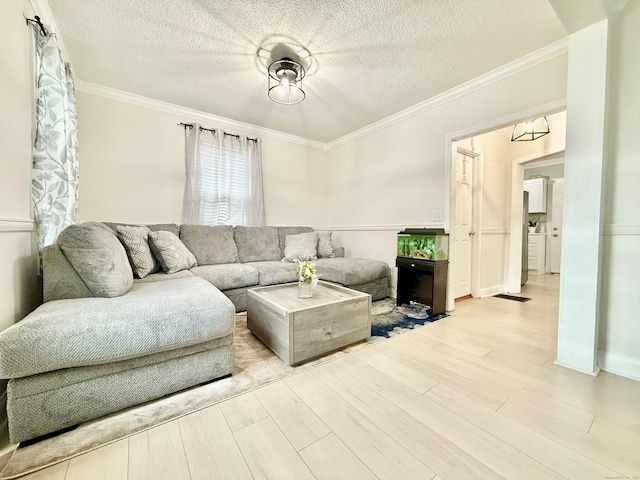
pixel 96 254
pixel 325 245
pixel 284 231
pixel 171 252
pixel 136 243
pixel 303 246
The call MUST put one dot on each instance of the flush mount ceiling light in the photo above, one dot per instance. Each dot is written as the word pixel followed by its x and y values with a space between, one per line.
pixel 285 81
pixel 530 130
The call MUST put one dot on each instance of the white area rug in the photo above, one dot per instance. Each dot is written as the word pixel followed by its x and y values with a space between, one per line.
pixel 255 366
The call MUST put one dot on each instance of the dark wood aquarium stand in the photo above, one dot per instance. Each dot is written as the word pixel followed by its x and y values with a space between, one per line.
pixel 423 281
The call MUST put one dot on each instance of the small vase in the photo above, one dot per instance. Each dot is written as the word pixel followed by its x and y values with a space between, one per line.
pixel 532 229
pixel 305 290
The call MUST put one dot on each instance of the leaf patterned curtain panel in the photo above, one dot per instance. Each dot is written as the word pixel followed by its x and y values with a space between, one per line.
pixel 54 177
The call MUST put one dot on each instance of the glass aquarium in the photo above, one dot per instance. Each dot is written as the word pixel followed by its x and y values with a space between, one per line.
pixel 424 244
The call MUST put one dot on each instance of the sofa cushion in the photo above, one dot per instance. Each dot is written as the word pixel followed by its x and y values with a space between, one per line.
pixel 273 273
pixel 325 245
pixel 211 245
pixel 257 244
pixel 171 252
pixel 351 271
pixel 303 246
pixel 152 317
pixel 136 243
pixel 98 257
pixel 228 276
pixel 284 231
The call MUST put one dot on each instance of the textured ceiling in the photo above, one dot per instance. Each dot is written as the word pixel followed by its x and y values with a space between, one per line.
pixel 366 59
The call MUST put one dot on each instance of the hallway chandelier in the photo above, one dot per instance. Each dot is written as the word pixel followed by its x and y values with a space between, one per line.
pixel 285 81
pixel 530 130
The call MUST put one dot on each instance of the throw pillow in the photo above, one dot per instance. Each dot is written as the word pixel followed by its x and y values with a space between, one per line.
pixel 170 252
pixel 325 245
pixel 96 254
pixel 136 243
pixel 303 246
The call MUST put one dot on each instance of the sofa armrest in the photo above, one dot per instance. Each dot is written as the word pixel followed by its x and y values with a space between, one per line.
pixel 338 251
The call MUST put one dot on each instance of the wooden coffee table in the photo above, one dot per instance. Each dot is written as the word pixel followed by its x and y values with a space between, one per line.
pixel 300 329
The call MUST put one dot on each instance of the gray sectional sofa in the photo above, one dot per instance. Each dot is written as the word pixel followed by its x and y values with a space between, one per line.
pixel 104 340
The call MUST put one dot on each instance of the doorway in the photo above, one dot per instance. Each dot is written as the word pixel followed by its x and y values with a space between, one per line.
pixel 497 243
pixel 549 223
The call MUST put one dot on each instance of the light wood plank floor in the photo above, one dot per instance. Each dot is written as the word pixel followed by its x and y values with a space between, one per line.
pixel 473 396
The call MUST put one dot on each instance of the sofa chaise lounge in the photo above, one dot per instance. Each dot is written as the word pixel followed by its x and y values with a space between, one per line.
pixel 104 340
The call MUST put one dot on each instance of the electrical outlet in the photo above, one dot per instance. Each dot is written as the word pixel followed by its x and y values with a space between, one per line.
pixel 436 215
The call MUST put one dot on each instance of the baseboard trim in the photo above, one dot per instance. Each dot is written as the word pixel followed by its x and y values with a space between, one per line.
pixel 593 373
pixel 16 225
pixel 491 291
pixel 622 365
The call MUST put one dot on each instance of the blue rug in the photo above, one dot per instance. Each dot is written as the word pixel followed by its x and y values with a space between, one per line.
pixel 382 330
pixel 386 317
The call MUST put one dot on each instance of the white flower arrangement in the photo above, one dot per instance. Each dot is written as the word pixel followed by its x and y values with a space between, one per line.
pixel 307 272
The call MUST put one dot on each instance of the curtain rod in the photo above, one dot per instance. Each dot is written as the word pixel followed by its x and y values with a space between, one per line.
pixel 212 130
pixel 37 21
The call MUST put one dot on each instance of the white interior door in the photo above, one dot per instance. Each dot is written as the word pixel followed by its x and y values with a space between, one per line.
pixel 554 224
pixel 463 225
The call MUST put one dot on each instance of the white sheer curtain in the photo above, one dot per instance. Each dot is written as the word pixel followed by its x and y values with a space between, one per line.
pixel 223 184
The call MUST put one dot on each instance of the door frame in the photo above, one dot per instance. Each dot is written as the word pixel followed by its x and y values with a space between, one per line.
pixel 514 270
pixel 450 171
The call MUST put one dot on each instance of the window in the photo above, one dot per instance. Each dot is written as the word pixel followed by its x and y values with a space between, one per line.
pixel 223 179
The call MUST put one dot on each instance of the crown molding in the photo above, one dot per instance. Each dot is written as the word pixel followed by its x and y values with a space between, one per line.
pixel 190 114
pixel 539 56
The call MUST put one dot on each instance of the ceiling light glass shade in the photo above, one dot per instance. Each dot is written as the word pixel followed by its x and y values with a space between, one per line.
pixel 285 82
pixel 530 130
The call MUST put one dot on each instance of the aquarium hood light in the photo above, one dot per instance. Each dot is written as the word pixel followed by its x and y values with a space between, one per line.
pixel 530 130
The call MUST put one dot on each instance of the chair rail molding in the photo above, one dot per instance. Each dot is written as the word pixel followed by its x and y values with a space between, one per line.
pixel 16 225
pixel 376 228
pixel 621 229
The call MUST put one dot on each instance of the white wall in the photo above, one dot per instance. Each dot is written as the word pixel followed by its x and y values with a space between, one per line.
pixel 132 167
pixel 619 338
pixel 19 284
pixel 395 177
pixel 551 171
